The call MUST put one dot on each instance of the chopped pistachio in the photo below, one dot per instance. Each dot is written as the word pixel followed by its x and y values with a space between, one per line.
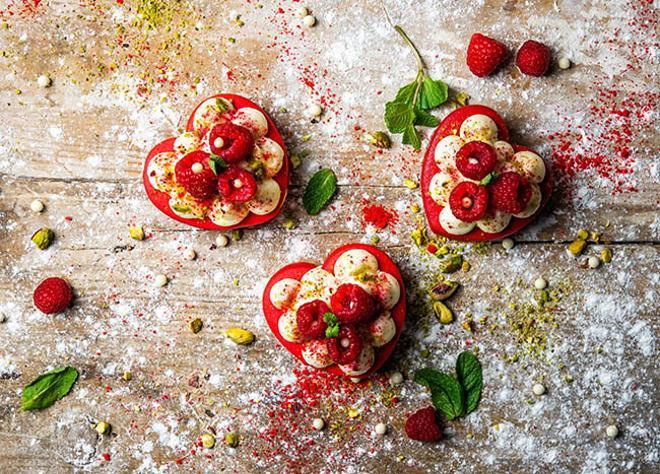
pixel 231 439
pixel 296 160
pixel 374 239
pixel 289 223
pixel 462 98
pixel 451 264
pixel 353 412
pixel 103 428
pixel 465 266
pixel 582 234
pixel 240 336
pixel 443 313
pixel 305 138
pixel 443 290
pixel 444 250
pixel 208 440
pixel 577 247
pixel 236 235
pixel 127 376
pixel 43 238
pixel 136 232
pixel 595 236
pixel 195 325
pixel 606 255
pixel 414 208
pixel 379 139
pixel 410 184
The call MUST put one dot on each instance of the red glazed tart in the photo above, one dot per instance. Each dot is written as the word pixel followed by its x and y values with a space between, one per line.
pixel 344 316
pixel 476 186
pixel 228 170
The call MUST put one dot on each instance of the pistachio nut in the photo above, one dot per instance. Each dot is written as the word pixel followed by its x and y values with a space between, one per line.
pixel 606 255
pixel 443 313
pixel 231 439
pixel 208 440
pixel 240 336
pixel 451 264
pixel 136 232
pixel 195 325
pixel 443 290
pixel 43 238
pixel 577 247
pixel 379 139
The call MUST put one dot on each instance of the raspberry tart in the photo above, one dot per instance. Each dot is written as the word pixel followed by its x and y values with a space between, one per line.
pixel 476 185
pixel 228 170
pixel 344 316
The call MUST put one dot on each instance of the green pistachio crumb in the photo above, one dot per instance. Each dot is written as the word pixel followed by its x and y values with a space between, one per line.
pixel 43 238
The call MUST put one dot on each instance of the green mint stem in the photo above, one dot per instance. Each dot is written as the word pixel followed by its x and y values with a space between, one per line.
pixel 420 61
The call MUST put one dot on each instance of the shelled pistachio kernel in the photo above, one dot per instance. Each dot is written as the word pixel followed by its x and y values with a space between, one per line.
pixel 232 439
pixel 43 238
pixel 296 160
pixel 136 232
pixel 195 325
pixel 451 264
pixel 221 240
pixel 443 313
pixel 318 424
pixel 240 336
pixel 208 440
pixel 593 262
pixel 508 243
pixel 37 206
pixel 289 223
pixel 410 184
pixel 236 235
pixel 127 376
pixel 576 247
pixel 374 239
pixel 606 255
pixel 540 283
pixel 103 427
pixel 379 139
pixel 612 431
pixel 582 234
pixel 538 389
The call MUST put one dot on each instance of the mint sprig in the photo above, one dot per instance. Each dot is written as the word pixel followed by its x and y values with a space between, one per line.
pixel 320 189
pixel 454 396
pixel 46 389
pixel 217 164
pixel 333 325
pixel 409 108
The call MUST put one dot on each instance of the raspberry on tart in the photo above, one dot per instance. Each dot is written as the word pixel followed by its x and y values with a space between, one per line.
pixel 195 175
pixel 469 201
pixel 236 184
pixel 346 347
pixel 231 142
pixel 309 318
pixel 352 304
pixel 510 193
pixel 476 159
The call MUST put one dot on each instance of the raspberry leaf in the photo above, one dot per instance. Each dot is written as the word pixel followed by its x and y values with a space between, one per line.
pixel 46 389
pixel 468 372
pixel 432 94
pixel 398 116
pixel 446 393
pixel 319 191
pixel 217 164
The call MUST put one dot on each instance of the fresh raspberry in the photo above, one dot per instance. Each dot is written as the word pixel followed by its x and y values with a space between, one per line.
pixel 484 55
pixel 53 295
pixel 510 193
pixel 235 142
pixel 352 304
pixel 423 425
pixel 236 184
pixel 202 185
pixel 475 160
pixel 346 347
pixel 468 201
pixel 533 58
pixel 309 318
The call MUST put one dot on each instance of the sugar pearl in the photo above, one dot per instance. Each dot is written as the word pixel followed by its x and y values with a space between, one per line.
pixel 302 12
pixel 37 205
pixel 190 254
pixel 593 262
pixel 538 389
pixel 540 283
pixel 218 142
pixel 160 280
pixel 612 431
pixel 197 167
pixel 380 429
pixel 318 424
pixel 44 81
pixel 564 63
pixel 508 244
pixel 314 110
pixel 396 378
pixel 309 21
pixel 221 240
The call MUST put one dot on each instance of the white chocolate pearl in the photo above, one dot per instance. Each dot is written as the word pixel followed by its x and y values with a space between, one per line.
pixel 160 280
pixel 238 183
pixel 593 262
pixel 221 240
pixel 302 12
pixel 612 431
pixel 37 205
pixel 318 424
pixel 540 283
pixel 564 62
pixel 314 110
pixel 380 429
pixel 44 81
pixel 309 21
pixel 218 142
pixel 190 254
pixel 538 389
pixel 197 168
pixel 507 244
pixel 396 378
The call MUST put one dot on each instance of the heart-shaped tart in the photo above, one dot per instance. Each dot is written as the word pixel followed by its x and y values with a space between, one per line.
pixel 228 170
pixel 477 186
pixel 344 316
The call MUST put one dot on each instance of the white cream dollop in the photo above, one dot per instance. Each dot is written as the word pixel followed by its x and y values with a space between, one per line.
pixel 445 152
pixel 452 224
pixel 266 198
pixel 317 283
pixel 362 364
pixel 494 222
pixel 533 204
pixel 440 188
pixel 253 120
pixel 288 327
pixel 187 142
pixel 479 127
pixel 355 261
pixel 210 112
pixel 284 292
pixel 382 329
pixel 225 213
pixel 315 353
pixel 270 154
pixel 529 165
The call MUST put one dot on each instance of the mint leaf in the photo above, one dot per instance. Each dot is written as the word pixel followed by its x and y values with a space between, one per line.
pixel 468 372
pixel 446 393
pixel 488 179
pixel 407 93
pixel 398 116
pixel 333 325
pixel 329 318
pixel 319 191
pixel 432 93
pixel 411 137
pixel 217 164
pixel 425 119
pixel 46 389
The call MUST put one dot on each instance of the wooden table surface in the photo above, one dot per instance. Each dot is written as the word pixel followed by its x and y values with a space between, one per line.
pixel 122 82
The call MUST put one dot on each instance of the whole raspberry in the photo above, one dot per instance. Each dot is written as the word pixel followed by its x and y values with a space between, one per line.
pixel 352 304
pixel 236 184
pixel 309 318
pixel 231 142
pixel 468 201
pixel 53 295
pixel 198 182
pixel 475 160
pixel 346 347
pixel 423 425
pixel 510 193
pixel 533 58
pixel 484 55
